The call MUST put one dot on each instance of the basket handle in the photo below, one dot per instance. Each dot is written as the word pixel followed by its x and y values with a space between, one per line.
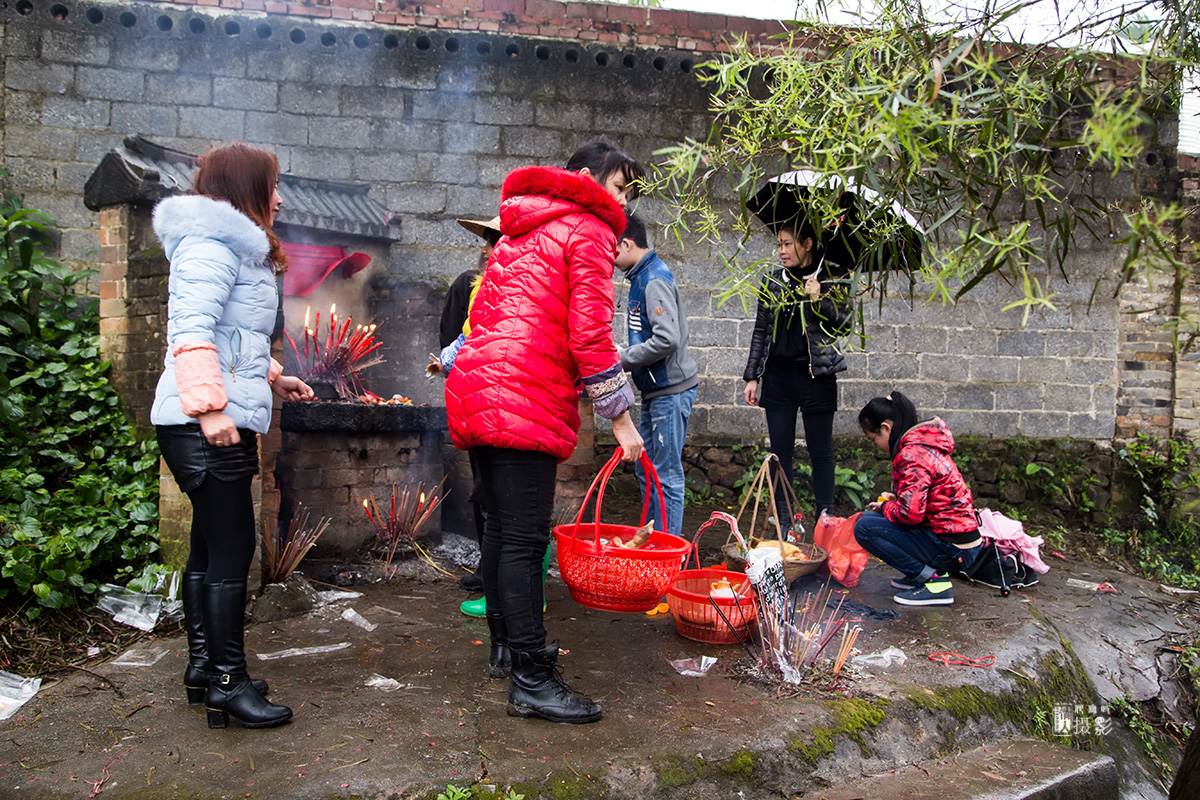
pixel 601 481
pixel 765 480
pixel 717 516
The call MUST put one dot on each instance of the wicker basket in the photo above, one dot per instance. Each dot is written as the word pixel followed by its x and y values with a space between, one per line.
pixel 610 578
pixel 808 559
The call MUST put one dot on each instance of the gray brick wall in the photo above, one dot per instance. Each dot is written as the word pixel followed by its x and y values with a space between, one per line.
pixel 435 132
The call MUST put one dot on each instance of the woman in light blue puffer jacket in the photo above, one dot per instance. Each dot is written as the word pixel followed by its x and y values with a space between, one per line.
pixel 212 400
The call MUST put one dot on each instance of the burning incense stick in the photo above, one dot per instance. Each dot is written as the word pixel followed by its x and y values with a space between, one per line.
pixel 341 358
pixel 407 514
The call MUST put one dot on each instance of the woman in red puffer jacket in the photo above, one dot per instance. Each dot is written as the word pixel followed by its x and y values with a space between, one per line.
pixel 541 324
pixel 927 528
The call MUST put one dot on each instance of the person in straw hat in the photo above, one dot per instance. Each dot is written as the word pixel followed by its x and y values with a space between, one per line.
pixel 451 331
pixel 454 312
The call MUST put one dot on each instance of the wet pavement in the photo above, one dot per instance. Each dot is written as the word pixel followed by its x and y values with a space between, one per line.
pixel 406 708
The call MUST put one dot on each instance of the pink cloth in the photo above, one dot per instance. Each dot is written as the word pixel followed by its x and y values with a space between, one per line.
pixel 275 371
pixel 198 378
pixel 1010 537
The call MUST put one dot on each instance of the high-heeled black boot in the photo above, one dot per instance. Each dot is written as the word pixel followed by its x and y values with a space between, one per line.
pixel 538 689
pixel 500 658
pixel 230 691
pixel 198 675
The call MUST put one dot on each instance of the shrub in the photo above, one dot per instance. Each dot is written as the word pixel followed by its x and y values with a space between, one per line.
pixel 78 489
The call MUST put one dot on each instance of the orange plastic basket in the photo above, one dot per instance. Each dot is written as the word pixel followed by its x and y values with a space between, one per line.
pixel 699 615
pixel 609 578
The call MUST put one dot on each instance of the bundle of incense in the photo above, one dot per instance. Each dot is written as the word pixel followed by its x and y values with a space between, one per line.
pixel 342 356
pixel 280 561
pixel 848 636
pixel 404 521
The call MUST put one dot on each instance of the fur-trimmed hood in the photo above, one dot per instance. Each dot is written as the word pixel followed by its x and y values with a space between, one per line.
pixel 196 215
pixel 523 198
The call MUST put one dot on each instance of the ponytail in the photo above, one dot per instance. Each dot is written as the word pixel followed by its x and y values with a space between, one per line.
pixel 895 408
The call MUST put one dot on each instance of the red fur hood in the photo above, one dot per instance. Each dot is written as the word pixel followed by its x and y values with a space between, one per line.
pixel 531 196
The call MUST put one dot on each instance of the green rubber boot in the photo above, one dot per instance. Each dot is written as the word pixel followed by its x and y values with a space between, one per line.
pixel 478 608
pixel 474 608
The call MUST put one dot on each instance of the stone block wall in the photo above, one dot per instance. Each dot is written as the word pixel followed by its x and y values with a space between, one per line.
pixel 434 109
pixel 1185 411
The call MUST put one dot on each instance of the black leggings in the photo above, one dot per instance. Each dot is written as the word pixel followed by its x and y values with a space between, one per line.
pixel 519 489
pixel 818 435
pixel 222 529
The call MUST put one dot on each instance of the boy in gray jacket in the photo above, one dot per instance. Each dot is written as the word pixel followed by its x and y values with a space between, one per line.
pixel 661 368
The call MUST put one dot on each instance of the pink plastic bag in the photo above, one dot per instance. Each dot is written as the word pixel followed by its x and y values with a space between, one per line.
pixel 847 558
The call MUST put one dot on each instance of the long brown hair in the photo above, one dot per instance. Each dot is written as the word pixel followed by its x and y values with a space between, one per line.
pixel 245 177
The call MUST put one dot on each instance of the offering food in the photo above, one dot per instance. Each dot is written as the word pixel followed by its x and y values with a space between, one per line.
pixel 640 537
pixel 786 549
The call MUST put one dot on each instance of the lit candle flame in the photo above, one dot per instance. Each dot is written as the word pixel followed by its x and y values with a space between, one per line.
pixel 364 503
pixel 333 310
pixel 422 498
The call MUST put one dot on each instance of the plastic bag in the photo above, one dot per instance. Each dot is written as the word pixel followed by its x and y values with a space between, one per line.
pixel 847 558
pixel 15 692
pixel 693 667
pixel 882 660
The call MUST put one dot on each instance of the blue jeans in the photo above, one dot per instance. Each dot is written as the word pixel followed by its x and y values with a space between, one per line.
pixel 915 550
pixel 663 425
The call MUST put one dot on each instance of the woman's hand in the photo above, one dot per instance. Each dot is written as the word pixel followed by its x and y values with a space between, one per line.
pixel 218 428
pixel 291 389
pixel 750 394
pixel 434 367
pixel 883 498
pixel 628 437
pixel 812 287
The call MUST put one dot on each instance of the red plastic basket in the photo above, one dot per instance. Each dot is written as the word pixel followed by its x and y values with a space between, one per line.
pixel 714 620
pixel 610 578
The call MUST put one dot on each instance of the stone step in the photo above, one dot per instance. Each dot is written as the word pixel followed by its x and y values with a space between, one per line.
pixel 1021 769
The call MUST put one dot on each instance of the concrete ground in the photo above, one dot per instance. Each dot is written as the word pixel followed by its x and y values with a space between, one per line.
pixel 406 709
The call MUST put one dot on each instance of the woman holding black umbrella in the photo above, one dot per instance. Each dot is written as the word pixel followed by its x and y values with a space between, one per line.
pixel 794 355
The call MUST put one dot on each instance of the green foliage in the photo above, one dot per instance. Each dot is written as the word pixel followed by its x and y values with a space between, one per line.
pixel 1143 730
pixel 455 793
pixel 78 490
pixel 1163 537
pixel 1003 151
pixel 854 487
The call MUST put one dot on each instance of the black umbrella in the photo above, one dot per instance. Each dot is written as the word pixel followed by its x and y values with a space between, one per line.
pixel 868 233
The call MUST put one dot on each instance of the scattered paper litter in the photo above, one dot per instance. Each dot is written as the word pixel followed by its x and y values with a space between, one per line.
pixel 141 656
pixel 350 615
pixel 377 681
pixel 1089 585
pixel 333 595
pixel 15 692
pixel 302 651
pixel 693 667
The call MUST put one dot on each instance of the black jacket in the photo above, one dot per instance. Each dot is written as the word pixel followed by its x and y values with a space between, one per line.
pixel 815 325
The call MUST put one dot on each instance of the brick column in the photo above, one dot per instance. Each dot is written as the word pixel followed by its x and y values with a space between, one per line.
pixel 576 473
pixel 1187 366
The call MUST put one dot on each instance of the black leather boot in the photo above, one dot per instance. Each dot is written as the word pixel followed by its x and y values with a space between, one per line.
pixel 499 659
pixel 230 691
pixel 198 674
pixel 538 689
